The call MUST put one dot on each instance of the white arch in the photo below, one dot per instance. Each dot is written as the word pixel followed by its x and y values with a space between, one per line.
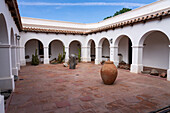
pixel 116 42
pixel 26 49
pixel 24 43
pixel 144 36
pixel 73 41
pixel 56 40
pixel 124 50
pixel 89 42
pixel 100 52
pixel 55 48
pixel 3 31
pixel 74 48
pixel 101 41
pixel 155 54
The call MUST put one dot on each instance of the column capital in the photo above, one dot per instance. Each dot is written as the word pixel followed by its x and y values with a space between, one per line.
pixel 13 46
pixel 99 47
pixel 21 47
pixel 45 47
pixel 137 46
pixel 5 46
pixel 85 47
pixel 66 47
pixel 113 46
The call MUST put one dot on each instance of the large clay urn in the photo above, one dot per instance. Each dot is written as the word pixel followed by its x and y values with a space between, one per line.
pixel 108 73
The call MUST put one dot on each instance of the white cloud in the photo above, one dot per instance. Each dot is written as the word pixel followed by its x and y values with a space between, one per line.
pixel 125 4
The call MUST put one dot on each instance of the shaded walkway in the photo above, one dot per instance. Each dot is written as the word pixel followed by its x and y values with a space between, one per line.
pixel 56 89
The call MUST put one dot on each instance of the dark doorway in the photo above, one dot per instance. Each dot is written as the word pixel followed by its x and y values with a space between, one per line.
pixel 130 52
pixel 49 50
pixel 41 50
pixel 92 51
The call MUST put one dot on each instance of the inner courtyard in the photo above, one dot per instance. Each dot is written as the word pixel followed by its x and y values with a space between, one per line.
pixel 53 88
pixel 51 66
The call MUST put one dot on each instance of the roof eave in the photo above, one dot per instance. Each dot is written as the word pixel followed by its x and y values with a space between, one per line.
pixel 13 8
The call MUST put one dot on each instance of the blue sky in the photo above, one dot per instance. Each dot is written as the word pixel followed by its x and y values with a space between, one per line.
pixel 80 11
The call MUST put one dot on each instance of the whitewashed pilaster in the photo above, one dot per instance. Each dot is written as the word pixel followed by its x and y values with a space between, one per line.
pixel 85 53
pixel 6 77
pixel 137 55
pixel 168 71
pixel 114 55
pixel 46 55
pixel 14 60
pixel 22 56
pixel 2 108
pixel 18 55
pixel 98 55
pixel 67 54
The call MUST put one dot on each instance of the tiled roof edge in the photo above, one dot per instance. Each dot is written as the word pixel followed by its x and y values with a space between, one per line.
pixel 144 18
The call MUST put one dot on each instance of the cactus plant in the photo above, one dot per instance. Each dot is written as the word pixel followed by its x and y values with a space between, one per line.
pixel 36 57
pixel 59 60
pixel 35 60
pixel 79 54
pixel 61 57
pixel 64 54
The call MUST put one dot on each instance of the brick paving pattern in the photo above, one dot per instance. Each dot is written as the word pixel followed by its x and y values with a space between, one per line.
pixel 57 89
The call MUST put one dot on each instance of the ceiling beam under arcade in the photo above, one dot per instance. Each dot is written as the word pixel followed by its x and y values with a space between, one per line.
pixel 13 8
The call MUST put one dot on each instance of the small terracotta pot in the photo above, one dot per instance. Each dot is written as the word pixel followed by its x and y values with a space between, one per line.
pixel 108 73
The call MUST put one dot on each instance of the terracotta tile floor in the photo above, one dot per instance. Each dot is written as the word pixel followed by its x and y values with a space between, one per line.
pixel 56 89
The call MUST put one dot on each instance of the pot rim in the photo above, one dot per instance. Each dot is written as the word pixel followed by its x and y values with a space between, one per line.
pixel 108 62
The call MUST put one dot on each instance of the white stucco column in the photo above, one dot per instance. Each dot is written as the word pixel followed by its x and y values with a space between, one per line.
pixel 6 77
pixel 22 56
pixel 111 53
pixel 98 55
pixel 88 53
pixel 137 56
pixel 67 54
pixel 85 54
pixel 18 55
pixel 168 71
pixel 46 55
pixel 2 108
pixel 114 55
pixel 14 60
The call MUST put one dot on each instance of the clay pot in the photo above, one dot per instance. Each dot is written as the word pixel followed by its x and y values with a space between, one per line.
pixel 108 73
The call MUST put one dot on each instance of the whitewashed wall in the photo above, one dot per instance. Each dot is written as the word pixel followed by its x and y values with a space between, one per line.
pixel 8 19
pixel 124 49
pixel 6 77
pixel 106 48
pixel 135 33
pixel 92 48
pixel 56 49
pixel 46 39
pixel 156 51
pixel 30 48
pixel 73 48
